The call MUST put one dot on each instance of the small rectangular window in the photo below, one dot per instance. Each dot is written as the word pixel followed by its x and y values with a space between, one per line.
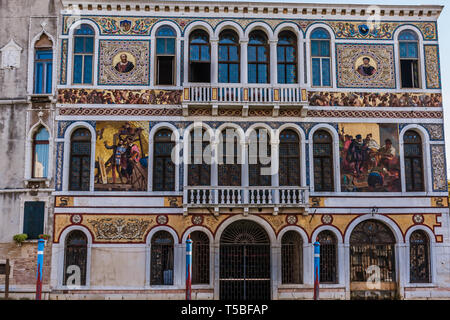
pixel 33 219
pixel 165 70
pixel 409 73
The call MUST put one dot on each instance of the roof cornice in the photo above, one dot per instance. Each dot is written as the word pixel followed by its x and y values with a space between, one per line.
pixel 272 9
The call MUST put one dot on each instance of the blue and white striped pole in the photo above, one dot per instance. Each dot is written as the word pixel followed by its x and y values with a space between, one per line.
pixel 188 267
pixel 316 269
pixel 40 262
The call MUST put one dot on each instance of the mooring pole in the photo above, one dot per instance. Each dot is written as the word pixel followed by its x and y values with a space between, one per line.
pixel 40 262
pixel 316 269
pixel 188 267
pixel 7 272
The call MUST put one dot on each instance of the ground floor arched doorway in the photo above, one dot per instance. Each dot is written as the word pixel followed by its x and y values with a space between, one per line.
pixel 372 261
pixel 244 262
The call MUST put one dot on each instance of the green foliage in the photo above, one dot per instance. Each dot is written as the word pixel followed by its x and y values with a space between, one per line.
pixel 19 238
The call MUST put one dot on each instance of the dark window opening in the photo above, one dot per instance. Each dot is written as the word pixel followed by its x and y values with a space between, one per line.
pixel 161 272
pixel 323 161
pixel 291 258
pixel 33 219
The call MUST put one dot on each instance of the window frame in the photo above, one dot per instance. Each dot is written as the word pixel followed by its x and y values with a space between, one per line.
pixel 321 58
pixel 86 262
pixel 83 55
pixel 288 271
pixel 71 155
pixel 290 145
pixel 330 156
pixel 335 262
pixel 256 62
pixel 416 60
pixel 155 156
pixel 171 246
pixel 411 158
pixel 173 56
pixel 33 155
pixel 203 167
pixel 228 62
pixel 45 76
pixel 200 61
pixel 428 257
pixel 284 63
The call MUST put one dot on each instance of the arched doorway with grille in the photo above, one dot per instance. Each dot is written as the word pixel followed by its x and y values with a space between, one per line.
pixel 372 261
pixel 244 262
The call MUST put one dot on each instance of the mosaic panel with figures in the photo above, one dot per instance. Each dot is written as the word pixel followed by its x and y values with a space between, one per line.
pixel 118 96
pixel 124 62
pixel 374 99
pixel 365 66
pixel 142 26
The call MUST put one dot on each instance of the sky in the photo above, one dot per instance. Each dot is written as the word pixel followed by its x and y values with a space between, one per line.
pixel 444 46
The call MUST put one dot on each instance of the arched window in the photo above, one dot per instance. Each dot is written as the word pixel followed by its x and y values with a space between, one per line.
pixel 200 258
pixel 229 167
pixel 412 146
pixel 43 65
pixel 419 257
pixel 287 57
pixel 80 160
pixel 199 57
pixel 259 158
pixel 229 58
pixel 323 161
pixel 83 55
pixel 372 244
pixel 409 59
pixel 163 166
pixel 199 168
pixel 75 254
pixel 328 257
pixel 258 58
pixel 291 258
pixel 289 172
pixel 40 153
pixel 161 265
pixel 321 58
pixel 165 55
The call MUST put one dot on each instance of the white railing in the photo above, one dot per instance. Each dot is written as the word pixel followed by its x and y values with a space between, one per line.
pixel 208 196
pixel 249 93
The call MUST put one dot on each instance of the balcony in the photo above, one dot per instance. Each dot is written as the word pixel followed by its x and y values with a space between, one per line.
pixel 245 197
pixel 244 96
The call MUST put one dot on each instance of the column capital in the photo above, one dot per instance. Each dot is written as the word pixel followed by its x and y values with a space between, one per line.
pixel 273 41
pixel 243 40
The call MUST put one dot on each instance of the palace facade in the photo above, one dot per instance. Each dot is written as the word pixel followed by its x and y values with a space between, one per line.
pixel 255 129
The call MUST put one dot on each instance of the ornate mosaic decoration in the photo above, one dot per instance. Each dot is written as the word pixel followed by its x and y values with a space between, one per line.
pixel 384 31
pixel 418 219
pixel 197 220
pixel 119 228
pixel 366 66
pixel 162 219
pixel 374 99
pixel 124 62
pixel 436 131
pixel 59 165
pixel 374 114
pixel 141 26
pixel 118 96
pixel 433 72
pixel 291 219
pixel 63 71
pixel 438 165
pixel 161 112
pixel 327 219
pixel 76 219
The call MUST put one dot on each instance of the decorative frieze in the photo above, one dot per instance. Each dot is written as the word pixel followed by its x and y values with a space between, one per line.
pixel 433 71
pixel 438 165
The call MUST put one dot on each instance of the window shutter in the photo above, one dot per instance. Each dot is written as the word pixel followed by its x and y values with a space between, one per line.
pixel 33 219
